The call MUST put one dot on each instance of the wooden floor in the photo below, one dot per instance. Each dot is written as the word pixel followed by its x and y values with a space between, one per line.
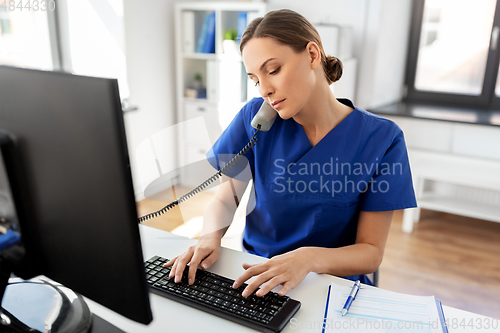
pixel 454 258
pixel 192 208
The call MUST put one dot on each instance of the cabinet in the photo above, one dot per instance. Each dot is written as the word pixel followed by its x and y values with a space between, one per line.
pixel 455 168
pixel 212 84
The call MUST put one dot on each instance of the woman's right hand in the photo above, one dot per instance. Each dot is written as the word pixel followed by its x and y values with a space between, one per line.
pixel 206 252
pixel 216 221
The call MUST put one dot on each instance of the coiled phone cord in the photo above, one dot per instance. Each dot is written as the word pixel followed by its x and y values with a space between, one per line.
pixel 207 182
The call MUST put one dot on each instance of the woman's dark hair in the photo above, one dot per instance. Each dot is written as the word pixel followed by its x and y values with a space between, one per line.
pixel 292 29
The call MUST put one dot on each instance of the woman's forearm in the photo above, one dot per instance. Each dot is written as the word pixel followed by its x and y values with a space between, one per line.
pixel 349 260
pixel 217 219
pixel 220 211
pixel 364 256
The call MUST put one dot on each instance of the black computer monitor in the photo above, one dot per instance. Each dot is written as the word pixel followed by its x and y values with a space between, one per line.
pixel 72 185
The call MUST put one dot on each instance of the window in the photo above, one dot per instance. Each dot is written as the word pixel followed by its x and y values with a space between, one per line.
pixel 84 37
pixel 96 39
pixel 453 53
pixel 24 38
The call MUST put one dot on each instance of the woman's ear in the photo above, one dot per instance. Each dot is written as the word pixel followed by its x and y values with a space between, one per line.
pixel 314 54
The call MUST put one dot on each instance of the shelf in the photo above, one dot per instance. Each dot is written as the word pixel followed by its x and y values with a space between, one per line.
pixel 196 100
pixel 200 56
pixel 222 6
pixel 222 73
pixel 460 207
pixel 229 57
pixel 212 56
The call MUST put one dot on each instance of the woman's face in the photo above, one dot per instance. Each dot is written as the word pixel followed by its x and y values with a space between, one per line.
pixel 285 79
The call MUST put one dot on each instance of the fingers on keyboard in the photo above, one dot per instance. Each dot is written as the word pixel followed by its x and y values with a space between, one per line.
pixel 192 273
pixel 215 292
pixel 181 264
pixel 170 262
pixel 193 266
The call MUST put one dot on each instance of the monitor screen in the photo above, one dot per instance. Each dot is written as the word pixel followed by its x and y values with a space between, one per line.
pixel 78 221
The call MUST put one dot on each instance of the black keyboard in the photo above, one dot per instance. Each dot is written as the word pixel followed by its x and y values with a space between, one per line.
pixel 214 294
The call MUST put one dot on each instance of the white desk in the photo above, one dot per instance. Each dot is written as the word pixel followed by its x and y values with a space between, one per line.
pixel 170 316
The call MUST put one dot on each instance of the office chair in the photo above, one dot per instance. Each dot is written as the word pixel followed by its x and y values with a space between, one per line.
pixel 374 277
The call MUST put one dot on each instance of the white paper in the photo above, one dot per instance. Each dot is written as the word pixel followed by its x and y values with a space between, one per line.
pixel 377 310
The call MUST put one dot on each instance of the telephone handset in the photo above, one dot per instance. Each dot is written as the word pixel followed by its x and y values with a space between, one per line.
pixel 264 118
pixel 262 121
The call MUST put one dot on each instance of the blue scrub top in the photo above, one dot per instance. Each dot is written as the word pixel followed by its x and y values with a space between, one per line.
pixel 312 196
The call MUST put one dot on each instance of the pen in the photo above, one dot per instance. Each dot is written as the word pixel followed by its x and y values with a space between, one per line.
pixel 352 296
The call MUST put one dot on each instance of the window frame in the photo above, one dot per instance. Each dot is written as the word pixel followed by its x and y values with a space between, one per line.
pixel 487 98
pixel 54 37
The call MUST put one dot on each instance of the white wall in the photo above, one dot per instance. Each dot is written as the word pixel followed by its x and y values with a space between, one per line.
pixel 149 40
pixel 383 54
pixel 342 12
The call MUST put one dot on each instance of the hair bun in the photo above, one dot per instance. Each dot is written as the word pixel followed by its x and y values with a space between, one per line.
pixel 333 69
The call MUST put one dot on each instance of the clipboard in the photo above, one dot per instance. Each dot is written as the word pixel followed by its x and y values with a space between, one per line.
pixel 376 310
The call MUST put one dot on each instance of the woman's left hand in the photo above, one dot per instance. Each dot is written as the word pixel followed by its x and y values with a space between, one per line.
pixel 288 269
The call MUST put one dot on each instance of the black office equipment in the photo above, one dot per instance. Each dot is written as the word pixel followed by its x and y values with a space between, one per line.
pixel 214 294
pixel 67 166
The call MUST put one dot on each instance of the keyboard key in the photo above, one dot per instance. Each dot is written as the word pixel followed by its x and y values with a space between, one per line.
pixel 263 303
pixel 270 312
pixel 253 299
pixel 281 302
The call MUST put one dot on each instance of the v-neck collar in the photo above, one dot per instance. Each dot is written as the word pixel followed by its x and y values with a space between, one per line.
pixel 334 129
pixel 304 140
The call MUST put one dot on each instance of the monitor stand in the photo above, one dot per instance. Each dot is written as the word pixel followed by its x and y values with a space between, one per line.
pixel 41 305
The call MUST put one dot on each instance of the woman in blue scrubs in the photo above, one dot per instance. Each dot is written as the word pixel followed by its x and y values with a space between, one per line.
pixel 327 175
